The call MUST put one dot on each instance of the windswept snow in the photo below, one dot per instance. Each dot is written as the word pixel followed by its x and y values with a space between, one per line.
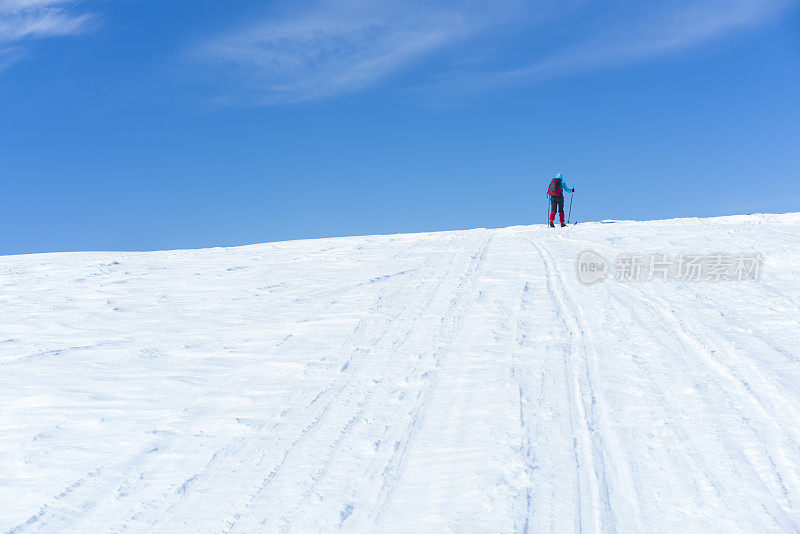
pixel 456 381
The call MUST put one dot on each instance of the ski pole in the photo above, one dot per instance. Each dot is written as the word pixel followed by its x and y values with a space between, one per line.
pixel 548 208
pixel 570 206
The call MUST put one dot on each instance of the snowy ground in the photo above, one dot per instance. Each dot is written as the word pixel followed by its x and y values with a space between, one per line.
pixel 459 381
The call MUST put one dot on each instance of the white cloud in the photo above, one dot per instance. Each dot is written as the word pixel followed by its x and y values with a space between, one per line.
pixel 30 19
pixel 331 47
pixel 625 32
pixel 13 5
pixel 22 20
pixel 674 26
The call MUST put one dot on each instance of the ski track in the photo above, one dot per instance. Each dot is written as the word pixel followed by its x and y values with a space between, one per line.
pixel 327 400
pixel 452 321
pixel 761 459
pixel 317 477
pixel 453 381
pixel 590 411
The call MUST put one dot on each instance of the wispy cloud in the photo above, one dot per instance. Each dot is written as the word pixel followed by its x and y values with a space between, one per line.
pixel 22 20
pixel 625 32
pixel 330 47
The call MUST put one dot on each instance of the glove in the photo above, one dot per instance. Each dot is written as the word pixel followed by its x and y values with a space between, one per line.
pixel 573 189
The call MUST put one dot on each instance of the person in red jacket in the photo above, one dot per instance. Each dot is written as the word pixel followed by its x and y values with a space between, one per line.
pixel 556 194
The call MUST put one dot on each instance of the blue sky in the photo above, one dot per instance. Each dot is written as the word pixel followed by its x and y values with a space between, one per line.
pixel 137 125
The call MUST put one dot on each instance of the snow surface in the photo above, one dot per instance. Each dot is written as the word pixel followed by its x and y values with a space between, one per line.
pixel 456 381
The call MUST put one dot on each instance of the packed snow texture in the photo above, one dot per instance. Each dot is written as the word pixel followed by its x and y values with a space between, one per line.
pixel 456 381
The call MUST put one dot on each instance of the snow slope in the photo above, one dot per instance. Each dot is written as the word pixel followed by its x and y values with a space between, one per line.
pixel 456 381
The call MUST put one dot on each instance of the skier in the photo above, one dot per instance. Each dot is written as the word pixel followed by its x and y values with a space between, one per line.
pixel 556 194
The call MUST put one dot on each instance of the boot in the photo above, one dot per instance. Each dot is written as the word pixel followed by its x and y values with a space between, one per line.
pixel 563 225
pixel 552 225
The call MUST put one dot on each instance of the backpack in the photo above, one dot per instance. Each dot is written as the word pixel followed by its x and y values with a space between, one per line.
pixel 555 188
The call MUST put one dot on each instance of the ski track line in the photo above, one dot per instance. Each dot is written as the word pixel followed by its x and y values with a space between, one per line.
pixel 588 476
pixel 81 495
pixel 733 316
pixel 49 512
pixel 698 463
pixel 393 471
pixel 37 518
pixel 364 404
pixel 772 296
pixel 315 479
pixel 663 400
pixel 332 393
pixel 341 289
pixel 664 309
pixel 537 431
pixel 528 384
pixel 619 468
pixel 707 349
pixel 289 518
pixel 524 309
